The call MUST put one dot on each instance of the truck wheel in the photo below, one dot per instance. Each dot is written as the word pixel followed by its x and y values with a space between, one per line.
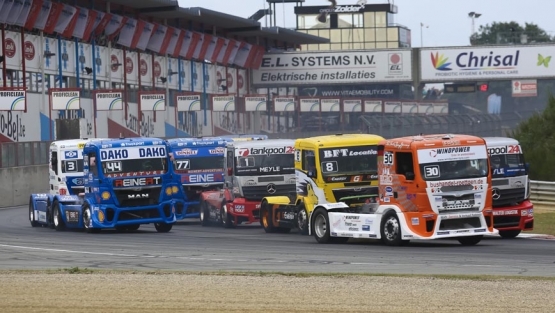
pixel 302 221
pixel 509 234
pixel 391 230
pixel 87 218
pixel 321 226
pixel 163 227
pixel 266 218
pixel 59 224
pixel 204 213
pixel 227 220
pixel 470 241
pixel 32 214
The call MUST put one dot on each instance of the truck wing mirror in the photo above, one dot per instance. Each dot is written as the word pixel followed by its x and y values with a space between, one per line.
pixel 311 174
pixel 409 175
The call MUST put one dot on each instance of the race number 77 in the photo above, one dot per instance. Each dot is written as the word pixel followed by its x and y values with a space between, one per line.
pixel 182 164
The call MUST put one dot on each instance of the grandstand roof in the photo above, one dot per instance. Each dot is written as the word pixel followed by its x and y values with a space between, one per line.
pixel 226 25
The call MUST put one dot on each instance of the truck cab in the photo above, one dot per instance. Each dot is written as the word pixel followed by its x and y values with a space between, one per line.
pixel 430 187
pixel 198 165
pixel 65 179
pixel 128 182
pixel 328 170
pixel 254 170
pixel 513 211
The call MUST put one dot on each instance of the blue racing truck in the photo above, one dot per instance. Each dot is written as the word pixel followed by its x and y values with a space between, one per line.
pixel 127 182
pixel 199 166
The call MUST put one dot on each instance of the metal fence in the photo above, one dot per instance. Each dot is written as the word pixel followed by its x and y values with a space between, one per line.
pixel 16 154
pixel 543 192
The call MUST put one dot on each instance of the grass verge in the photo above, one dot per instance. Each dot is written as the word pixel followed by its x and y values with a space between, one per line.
pixel 544 223
pixel 77 270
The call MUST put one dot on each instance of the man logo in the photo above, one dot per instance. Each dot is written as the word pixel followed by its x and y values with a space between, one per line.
pixel 138 196
pixel 271 188
pixel 496 195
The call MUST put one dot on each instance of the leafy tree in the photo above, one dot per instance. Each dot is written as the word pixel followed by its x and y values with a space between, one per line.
pixel 509 33
pixel 537 139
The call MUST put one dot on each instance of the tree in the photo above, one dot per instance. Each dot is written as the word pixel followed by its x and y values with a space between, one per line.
pixel 537 139
pixel 500 33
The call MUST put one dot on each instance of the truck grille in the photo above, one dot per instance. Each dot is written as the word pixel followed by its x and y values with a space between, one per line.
pixel 462 203
pixel 353 192
pixel 506 221
pixel 128 215
pixel 256 193
pixel 124 199
pixel 508 197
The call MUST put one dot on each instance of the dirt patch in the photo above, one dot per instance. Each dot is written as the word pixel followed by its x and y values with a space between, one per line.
pixel 142 292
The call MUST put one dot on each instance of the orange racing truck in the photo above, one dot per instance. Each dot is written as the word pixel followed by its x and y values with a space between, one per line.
pixel 430 187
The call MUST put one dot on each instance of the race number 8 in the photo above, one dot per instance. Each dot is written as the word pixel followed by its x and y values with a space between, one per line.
pixel 329 167
pixel 388 158
pixel 431 171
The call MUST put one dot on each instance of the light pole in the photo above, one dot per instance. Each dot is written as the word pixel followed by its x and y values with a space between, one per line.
pixel 473 15
pixel 422 25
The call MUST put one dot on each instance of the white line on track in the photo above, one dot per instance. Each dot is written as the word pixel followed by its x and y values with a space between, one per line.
pixel 68 251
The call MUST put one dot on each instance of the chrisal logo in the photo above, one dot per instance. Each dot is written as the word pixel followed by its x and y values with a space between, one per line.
pixel 9 48
pixel 129 65
pixel 29 51
pixel 143 67
pixel 157 69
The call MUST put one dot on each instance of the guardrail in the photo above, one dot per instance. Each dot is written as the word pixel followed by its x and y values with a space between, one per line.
pixel 543 193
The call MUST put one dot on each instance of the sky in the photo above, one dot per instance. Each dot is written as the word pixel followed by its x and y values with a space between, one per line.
pixel 447 20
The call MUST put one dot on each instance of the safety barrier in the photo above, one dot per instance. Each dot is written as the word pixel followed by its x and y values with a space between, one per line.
pixel 543 193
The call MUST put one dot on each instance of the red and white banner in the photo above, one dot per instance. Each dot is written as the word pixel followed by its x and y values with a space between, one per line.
pixel 144 38
pixel 52 17
pixel 67 14
pixel 257 58
pixel 126 34
pixel 81 23
pixel 202 47
pixel 91 21
pixel 190 43
pixel 101 22
pixel 14 11
pixel 214 49
pixel 243 55
pixel 20 21
pixel 221 55
pixel 176 41
pixel 156 41
pixel 34 12
pixel 117 22
pixel 234 51
pixel 68 32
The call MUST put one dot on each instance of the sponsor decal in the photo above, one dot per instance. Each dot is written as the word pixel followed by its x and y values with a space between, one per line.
pixel 334 153
pixel 138 182
pixel 132 153
pixel 415 221
pixel 365 227
pixel 511 149
pixel 243 152
pixel 184 152
pixel 73 154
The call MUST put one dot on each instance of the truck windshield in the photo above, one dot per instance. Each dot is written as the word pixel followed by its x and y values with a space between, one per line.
pixel 454 169
pixel 274 164
pixel 506 165
pixel 144 166
pixel 199 164
pixel 349 161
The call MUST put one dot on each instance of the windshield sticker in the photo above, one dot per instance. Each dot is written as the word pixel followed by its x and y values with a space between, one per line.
pixel 452 154
pixel 511 149
pixel 334 153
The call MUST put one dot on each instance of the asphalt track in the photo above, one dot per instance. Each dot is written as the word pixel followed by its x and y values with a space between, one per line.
pixel 191 247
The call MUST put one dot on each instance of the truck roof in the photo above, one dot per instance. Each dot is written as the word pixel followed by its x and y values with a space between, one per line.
pixel 427 141
pixel 126 142
pixel 339 140
pixel 71 143
pixel 198 142
pixel 500 141
pixel 262 143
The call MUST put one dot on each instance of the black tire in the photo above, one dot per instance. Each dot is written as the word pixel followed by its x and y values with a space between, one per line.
pixel 86 215
pixel 57 219
pixel 204 213
pixel 32 218
pixel 49 214
pixel 302 220
pixel 225 218
pixel 470 241
pixel 266 218
pixel 391 230
pixel 163 227
pixel 320 225
pixel 509 234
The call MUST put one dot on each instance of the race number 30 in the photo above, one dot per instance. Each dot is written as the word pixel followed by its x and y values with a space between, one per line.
pixel 388 158
pixel 431 171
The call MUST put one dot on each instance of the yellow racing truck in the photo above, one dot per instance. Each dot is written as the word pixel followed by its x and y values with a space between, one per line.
pixel 328 170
